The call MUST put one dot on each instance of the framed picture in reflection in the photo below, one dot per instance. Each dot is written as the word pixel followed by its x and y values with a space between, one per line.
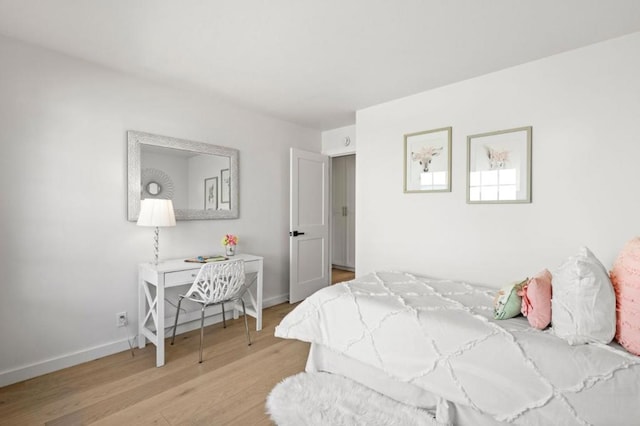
pixel 225 194
pixel 211 193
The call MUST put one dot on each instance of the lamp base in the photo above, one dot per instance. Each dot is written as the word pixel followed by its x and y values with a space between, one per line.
pixel 156 245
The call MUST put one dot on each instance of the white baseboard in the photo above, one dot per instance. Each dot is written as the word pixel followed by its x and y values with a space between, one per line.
pixel 276 300
pixel 20 374
pixel 54 364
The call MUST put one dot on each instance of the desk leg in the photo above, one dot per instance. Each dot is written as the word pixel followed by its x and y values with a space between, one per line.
pixel 257 302
pixel 160 321
pixel 142 311
pixel 259 296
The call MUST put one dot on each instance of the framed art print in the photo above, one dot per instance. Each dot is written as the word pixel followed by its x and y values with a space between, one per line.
pixel 211 193
pixel 225 194
pixel 427 161
pixel 499 166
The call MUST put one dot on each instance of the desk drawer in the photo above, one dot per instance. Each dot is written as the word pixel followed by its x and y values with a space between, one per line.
pixel 187 276
pixel 180 277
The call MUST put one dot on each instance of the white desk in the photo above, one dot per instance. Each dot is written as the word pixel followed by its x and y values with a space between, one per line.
pixel 173 273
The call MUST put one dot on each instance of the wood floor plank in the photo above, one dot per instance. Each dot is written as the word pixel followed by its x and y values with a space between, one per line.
pixel 220 394
pixel 253 385
pixel 230 385
pixel 187 371
pixel 51 387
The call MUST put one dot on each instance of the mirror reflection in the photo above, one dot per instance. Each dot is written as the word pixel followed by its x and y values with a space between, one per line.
pixel 192 177
pixel 201 179
pixel 153 188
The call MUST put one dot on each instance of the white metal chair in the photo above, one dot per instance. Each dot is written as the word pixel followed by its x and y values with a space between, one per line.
pixel 216 283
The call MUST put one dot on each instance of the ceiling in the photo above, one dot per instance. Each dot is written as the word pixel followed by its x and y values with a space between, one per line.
pixel 314 62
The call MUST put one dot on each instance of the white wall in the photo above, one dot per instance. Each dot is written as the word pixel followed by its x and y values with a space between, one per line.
pixel 584 107
pixel 68 260
pixel 333 141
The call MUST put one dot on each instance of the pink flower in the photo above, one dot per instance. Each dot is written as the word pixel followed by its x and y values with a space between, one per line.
pixel 229 240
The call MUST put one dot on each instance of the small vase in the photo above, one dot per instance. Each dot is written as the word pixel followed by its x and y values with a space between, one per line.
pixel 229 250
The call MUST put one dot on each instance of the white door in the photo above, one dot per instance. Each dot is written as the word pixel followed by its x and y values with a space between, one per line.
pixel 308 224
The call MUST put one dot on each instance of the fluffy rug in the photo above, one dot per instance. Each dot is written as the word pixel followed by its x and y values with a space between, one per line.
pixel 328 399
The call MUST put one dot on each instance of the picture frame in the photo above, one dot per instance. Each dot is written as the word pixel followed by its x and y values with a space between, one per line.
pixel 427 161
pixel 499 166
pixel 211 193
pixel 225 194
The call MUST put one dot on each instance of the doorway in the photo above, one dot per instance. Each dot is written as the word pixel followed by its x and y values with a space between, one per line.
pixel 343 217
pixel 340 275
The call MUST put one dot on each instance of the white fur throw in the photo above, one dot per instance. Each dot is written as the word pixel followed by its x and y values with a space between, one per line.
pixel 328 399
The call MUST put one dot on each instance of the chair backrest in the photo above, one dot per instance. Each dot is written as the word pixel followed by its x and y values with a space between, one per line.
pixel 219 281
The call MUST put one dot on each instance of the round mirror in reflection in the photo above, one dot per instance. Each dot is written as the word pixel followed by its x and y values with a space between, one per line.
pixel 156 183
pixel 154 188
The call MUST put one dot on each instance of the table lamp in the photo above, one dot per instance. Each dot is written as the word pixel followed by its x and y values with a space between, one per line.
pixel 156 212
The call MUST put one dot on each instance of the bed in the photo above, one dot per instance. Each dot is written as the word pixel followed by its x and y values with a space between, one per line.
pixel 434 344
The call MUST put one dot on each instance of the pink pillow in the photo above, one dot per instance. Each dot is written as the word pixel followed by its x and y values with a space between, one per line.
pixel 536 300
pixel 625 278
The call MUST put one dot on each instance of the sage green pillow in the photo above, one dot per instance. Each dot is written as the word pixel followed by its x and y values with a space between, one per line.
pixel 507 303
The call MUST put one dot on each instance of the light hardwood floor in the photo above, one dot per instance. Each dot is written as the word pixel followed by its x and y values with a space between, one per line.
pixel 339 275
pixel 229 387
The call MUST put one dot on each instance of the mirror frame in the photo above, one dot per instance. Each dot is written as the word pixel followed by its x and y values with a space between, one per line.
pixel 134 141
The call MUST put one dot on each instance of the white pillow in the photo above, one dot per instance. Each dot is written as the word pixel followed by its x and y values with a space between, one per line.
pixel 583 304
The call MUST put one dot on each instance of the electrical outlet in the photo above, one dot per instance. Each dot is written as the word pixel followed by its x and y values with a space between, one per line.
pixel 121 319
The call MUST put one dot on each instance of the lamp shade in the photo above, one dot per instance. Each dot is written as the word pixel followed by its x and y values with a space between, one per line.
pixel 156 212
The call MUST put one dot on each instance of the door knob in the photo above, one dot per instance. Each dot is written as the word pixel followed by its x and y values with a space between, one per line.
pixel 295 233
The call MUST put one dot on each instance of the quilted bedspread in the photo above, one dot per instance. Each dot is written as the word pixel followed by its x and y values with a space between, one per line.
pixel 440 335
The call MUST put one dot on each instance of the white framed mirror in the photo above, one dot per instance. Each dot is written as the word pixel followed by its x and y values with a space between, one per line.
pixel 201 179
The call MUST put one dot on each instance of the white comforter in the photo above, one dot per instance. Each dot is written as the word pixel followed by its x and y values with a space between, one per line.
pixel 440 336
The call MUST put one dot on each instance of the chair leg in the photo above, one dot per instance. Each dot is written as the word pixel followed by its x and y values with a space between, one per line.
pixel 246 324
pixel 175 324
pixel 201 331
pixel 224 320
